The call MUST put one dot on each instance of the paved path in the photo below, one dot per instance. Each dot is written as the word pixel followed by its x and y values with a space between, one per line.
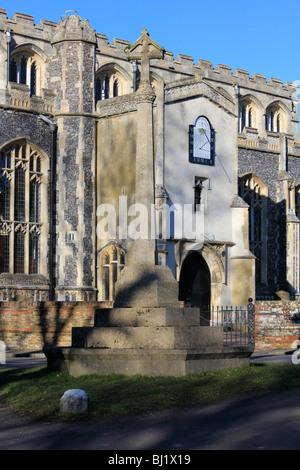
pixel 268 421
pixel 261 421
pixel 24 359
pixel 279 357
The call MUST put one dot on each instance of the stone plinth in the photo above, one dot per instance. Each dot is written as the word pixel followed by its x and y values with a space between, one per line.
pixel 148 341
pixel 147 328
pixel 148 362
pixel 106 317
pixel 149 337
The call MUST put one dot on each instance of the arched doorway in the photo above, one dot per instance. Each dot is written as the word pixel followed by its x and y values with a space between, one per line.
pixel 195 283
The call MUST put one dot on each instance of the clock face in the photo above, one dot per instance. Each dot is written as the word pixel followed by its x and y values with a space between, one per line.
pixel 201 142
pixel 202 139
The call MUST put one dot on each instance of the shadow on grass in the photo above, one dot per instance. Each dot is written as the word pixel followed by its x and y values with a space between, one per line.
pixel 36 392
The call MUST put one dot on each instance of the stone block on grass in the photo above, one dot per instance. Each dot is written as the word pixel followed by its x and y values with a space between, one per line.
pixel 74 401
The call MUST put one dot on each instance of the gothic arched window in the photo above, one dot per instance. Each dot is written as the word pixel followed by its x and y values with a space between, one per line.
pixel 113 261
pixel 20 211
pixel 253 192
pixel 26 69
pixel 274 118
pixel 109 84
pixel 247 113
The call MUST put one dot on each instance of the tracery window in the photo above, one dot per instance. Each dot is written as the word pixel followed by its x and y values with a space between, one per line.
pixel 25 68
pixel 274 119
pixel 246 114
pixel 252 191
pixel 107 86
pixel 111 81
pixel 20 215
pixel 113 261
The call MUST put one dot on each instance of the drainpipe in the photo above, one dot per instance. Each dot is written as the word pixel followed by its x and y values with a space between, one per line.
pixel 8 41
pixel 134 71
pixel 52 209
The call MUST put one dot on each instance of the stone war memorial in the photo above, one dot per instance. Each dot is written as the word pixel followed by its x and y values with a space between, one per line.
pixel 153 183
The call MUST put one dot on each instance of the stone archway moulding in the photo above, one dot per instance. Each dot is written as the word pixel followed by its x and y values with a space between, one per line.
pixel 214 255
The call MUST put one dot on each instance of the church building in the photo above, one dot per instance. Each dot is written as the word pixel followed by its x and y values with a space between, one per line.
pixel 78 125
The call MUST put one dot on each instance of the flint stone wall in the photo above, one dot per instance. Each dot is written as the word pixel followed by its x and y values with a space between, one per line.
pixel 274 327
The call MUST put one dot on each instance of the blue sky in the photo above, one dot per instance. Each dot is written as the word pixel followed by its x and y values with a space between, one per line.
pixel 261 36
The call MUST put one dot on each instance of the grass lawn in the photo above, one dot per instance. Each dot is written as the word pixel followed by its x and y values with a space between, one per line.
pixel 36 392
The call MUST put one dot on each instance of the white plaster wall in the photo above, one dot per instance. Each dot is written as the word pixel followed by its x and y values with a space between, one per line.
pixel 180 173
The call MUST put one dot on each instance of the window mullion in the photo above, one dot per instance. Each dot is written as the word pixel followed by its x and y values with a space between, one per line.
pixel 27 194
pixel 28 73
pixel 12 214
pixel 111 282
pixel 11 248
pixel 18 72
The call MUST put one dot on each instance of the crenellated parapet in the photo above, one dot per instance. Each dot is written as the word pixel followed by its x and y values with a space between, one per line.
pixel 23 24
pixel 242 78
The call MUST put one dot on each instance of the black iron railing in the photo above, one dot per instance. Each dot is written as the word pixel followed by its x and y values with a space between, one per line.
pixel 238 323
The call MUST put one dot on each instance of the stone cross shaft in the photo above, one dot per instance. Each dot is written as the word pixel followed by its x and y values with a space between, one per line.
pixel 143 50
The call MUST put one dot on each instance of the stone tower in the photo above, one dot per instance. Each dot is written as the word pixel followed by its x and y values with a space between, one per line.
pixel 71 75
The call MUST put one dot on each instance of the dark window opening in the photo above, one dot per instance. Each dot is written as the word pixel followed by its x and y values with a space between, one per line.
pixel 19 257
pixel 13 71
pixel 33 253
pixel 33 79
pixel 23 71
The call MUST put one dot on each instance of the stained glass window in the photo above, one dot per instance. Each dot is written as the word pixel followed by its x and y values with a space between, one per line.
pixel 20 215
pixel 251 191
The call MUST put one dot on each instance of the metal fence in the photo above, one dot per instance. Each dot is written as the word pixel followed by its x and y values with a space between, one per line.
pixel 238 323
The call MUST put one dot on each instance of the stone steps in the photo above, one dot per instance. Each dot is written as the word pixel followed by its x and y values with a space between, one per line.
pixel 150 337
pixel 136 317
